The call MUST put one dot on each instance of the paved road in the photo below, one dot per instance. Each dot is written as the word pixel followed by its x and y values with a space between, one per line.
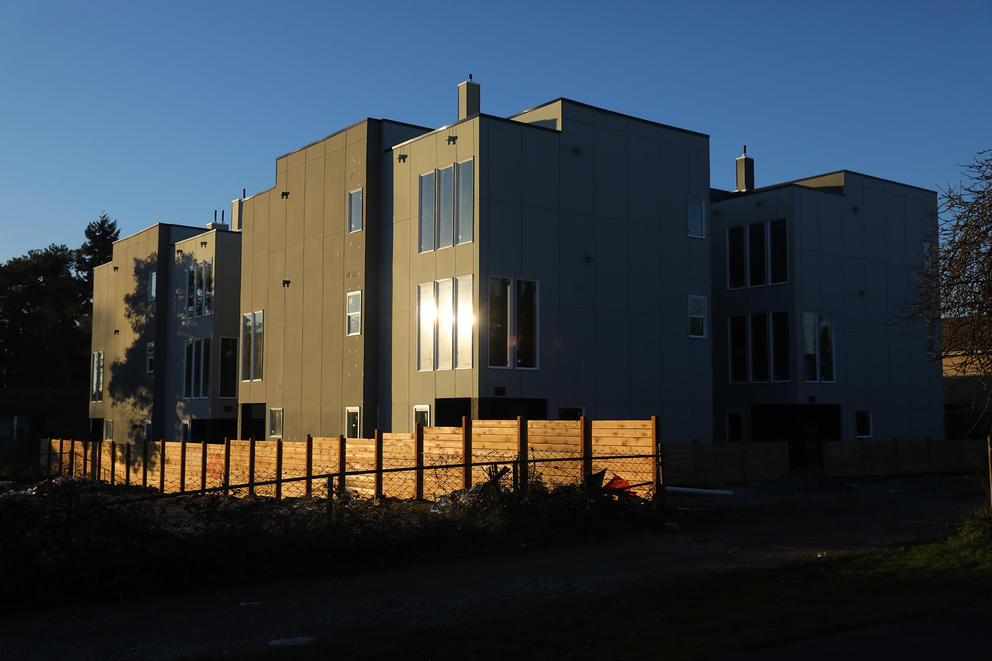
pixel 768 525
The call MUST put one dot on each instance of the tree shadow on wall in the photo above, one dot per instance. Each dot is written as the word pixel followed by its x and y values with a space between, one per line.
pixel 131 386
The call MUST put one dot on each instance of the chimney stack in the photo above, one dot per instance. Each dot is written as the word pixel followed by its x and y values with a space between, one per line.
pixel 468 99
pixel 745 172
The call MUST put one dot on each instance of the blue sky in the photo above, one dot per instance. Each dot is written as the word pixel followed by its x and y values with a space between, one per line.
pixel 164 111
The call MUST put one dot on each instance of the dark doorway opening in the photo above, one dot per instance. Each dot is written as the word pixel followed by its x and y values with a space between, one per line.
pixel 448 412
pixel 253 421
pixel 803 426
pixel 96 429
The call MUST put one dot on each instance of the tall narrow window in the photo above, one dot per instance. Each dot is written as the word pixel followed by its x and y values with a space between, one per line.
pixel 208 287
pixel 198 271
pixel 780 347
pixel 185 432
pixel 96 377
pixel 257 345
pixel 736 258
pixel 809 346
pixel 466 202
pixel 445 324
pixel 525 329
pixel 464 322
pixel 150 358
pixel 697 316
pixel 146 431
pixel 825 346
pixel 779 257
pixel 862 424
pixel 205 369
pixel 427 314
pixel 446 207
pixel 275 423
pixel 246 337
pixel 352 422
pixel 190 291
pixel 427 212
pixel 697 219
pixel 738 349
pixel 355 210
pixel 354 313
pixel 759 347
pixel 228 386
pixel 108 430
pixel 188 381
pixel 499 322
pixel 152 285
pixel 197 358
pixel 756 254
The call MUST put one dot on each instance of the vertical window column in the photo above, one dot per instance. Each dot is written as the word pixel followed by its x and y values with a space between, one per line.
pixel 756 255
pixel 427 315
pixel 499 322
pixel 445 323
pixel 738 349
pixel 464 322
pixel 759 347
pixel 525 329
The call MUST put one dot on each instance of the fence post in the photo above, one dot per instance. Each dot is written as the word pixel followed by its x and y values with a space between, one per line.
pixel 309 473
pixel 656 441
pixel 467 451
pixel 161 465
pixel 61 450
pixel 418 456
pixel 278 469
pixel 342 462
pixel 144 463
pixel 182 466
pixel 330 499
pixel 127 464
pixel 227 465
pixel 585 445
pixel 251 467
pixel 522 453
pixel 377 435
pixel 113 461
pixel 72 457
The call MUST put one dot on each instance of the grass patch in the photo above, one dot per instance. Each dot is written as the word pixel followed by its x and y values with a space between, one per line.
pixel 716 614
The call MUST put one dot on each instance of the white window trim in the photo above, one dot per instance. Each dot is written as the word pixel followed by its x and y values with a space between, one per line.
pixel 108 429
pixel 204 375
pixel 251 349
pixel 152 284
pixel 348 210
pixel 457 195
pixel 272 434
pixel 705 317
pixel 353 409
pixel 418 408
pixel 349 315
pixel 871 423
pixel 454 206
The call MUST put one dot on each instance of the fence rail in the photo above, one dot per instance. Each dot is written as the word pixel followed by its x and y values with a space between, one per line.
pixel 428 463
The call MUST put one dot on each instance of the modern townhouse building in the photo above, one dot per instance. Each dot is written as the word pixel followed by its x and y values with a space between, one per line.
pixel 165 333
pixel 550 264
pixel 813 284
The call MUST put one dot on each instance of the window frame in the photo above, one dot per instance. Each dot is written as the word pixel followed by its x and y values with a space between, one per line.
pixel 435 174
pixel 96 376
pixel 470 351
pixel 510 319
pixel 458 165
pixel 702 216
pixel 417 408
pixel 357 410
pixel 819 317
pixel 730 349
pixel 196 368
pixel 146 430
pixel 149 357
pixel 537 323
pixel 766 317
pixel 349 315
pixel 704 317
pixel 152 285
pixel 250 346
pixel 272 420
pixel 871 423
pixel 771 340
pixel 186 430
pixel 350 210
pixel 108 429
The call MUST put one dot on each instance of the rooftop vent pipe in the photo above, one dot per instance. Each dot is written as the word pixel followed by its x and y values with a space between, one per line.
pixel 745 172
pixel 468 99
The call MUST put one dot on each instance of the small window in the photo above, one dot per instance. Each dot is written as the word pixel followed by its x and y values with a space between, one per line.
pixel 735 426
pixel 862 424
pixel 697 219
pixel 275 423
pixel 108 430
pixel 355 210
pixel 421 415
pixel 146 430
pixel 354 325
pixel 697 316
pixel 152 284
pixel 185 437
pixel 352 422
pixel 150 358
pixel 208 287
